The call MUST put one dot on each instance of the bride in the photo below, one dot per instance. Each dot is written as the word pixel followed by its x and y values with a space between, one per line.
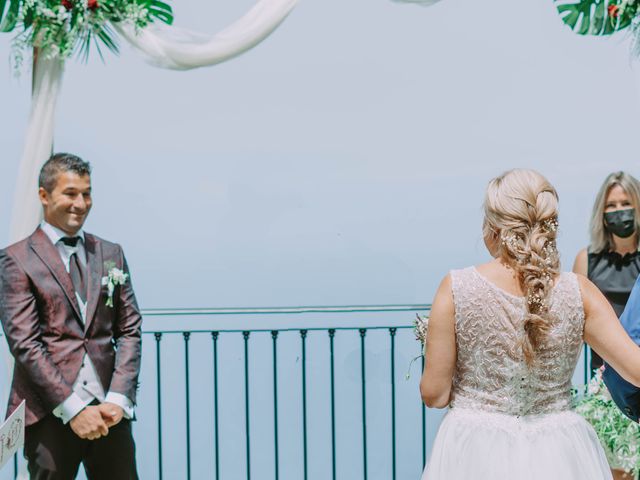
pixel 503 342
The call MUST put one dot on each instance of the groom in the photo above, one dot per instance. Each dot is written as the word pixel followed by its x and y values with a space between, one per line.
pixel 623 393
pixel 76 343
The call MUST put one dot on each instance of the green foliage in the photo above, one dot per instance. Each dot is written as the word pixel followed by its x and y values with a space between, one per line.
pixel 618 435
pixel 160 10
pixel 9 18
pixel 597 17
pixel 60 28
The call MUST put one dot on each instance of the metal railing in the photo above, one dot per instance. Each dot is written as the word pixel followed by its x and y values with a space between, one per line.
pixel 275 335
pixel 260 357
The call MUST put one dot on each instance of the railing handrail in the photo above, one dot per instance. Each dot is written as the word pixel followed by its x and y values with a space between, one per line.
pixel 279 330
pixel 157 312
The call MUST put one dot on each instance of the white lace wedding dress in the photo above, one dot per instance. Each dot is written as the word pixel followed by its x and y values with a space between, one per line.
pixel 508 420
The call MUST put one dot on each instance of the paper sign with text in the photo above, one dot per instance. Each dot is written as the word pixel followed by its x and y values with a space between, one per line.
pixel 12 435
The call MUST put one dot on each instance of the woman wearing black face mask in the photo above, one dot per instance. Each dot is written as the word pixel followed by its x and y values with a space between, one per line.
pixel 612 260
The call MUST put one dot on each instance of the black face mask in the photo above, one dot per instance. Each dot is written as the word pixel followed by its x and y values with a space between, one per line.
pixel 621 223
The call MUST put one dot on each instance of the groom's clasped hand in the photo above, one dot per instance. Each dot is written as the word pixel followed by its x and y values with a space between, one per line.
pixel 95 420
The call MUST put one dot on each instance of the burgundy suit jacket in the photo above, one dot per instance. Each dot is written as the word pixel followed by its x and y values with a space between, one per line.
pixel 47 338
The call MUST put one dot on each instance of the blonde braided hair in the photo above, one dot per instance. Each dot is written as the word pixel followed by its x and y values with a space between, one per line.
pixel 521 207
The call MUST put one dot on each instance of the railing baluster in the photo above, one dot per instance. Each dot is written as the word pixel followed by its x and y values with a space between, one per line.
pixel 303 336
pixel 187 336
pixel 332 334
pixel 424 427
pixel 363 332
pixel 588 373
pixel 158 337
pixel 392 333
pixel 214 336
pixel 15 466
pixel 274 336
pixel 246 334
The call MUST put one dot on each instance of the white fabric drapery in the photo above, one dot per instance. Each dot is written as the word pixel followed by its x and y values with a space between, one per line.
pixel 170 47
pixel 424 3
pixel 38 143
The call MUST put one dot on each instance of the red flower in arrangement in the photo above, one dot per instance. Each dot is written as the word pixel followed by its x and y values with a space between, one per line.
pixel 613 10
pixel 91 4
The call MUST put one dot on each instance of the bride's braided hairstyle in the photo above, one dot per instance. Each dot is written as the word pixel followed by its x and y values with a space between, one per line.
pixel 521 213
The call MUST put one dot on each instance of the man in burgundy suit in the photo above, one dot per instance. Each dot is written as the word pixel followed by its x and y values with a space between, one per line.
pixel 73 326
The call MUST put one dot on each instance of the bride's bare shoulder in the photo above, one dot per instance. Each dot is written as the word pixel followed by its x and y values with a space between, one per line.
pixel 592 297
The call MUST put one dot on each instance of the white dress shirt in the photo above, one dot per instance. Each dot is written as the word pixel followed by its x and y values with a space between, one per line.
pixel 86 387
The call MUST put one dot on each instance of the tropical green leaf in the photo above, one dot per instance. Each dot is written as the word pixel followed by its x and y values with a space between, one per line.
pixel 29 15
pixel 160 10
pixel 3 4
pixel 84 46
pixel 98 49
pixel 100 37
pixel 108 38
pixel 594 17
pixel 10 18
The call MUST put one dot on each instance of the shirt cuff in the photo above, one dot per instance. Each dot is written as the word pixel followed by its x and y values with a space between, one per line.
pixel 71 407
pixel 122 401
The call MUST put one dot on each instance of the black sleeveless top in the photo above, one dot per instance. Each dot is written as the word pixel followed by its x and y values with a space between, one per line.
pixel 614 275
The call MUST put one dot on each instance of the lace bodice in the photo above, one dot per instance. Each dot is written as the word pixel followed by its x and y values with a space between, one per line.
pixel 491 373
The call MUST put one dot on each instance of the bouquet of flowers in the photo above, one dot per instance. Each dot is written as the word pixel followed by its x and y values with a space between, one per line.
pixel 619 436
pixel 601 17
pixel 420 326
pixel 58 28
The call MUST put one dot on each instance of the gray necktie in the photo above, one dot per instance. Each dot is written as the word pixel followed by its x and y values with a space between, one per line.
pixel 75 269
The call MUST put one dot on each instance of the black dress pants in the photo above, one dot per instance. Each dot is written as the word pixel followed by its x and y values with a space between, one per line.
pixel 55 452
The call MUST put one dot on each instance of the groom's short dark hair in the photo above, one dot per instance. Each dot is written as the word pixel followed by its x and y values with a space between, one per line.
pixel 59 163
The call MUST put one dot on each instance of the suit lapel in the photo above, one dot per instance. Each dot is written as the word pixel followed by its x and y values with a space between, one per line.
pixel 48 253
pixel 94 268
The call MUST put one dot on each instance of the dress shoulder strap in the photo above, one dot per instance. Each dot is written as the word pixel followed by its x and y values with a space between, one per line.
pixel 464 286
pixel 568 297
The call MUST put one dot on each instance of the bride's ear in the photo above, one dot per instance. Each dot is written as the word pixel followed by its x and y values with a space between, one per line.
pixel 492 241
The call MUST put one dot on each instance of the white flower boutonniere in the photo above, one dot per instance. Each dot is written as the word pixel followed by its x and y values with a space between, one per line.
pixel 114 277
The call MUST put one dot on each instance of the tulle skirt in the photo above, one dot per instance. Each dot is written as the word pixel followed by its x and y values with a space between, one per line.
pixel 472 444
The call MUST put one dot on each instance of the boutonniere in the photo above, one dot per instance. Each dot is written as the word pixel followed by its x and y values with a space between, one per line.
pixel 420 327
pixel 114 277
